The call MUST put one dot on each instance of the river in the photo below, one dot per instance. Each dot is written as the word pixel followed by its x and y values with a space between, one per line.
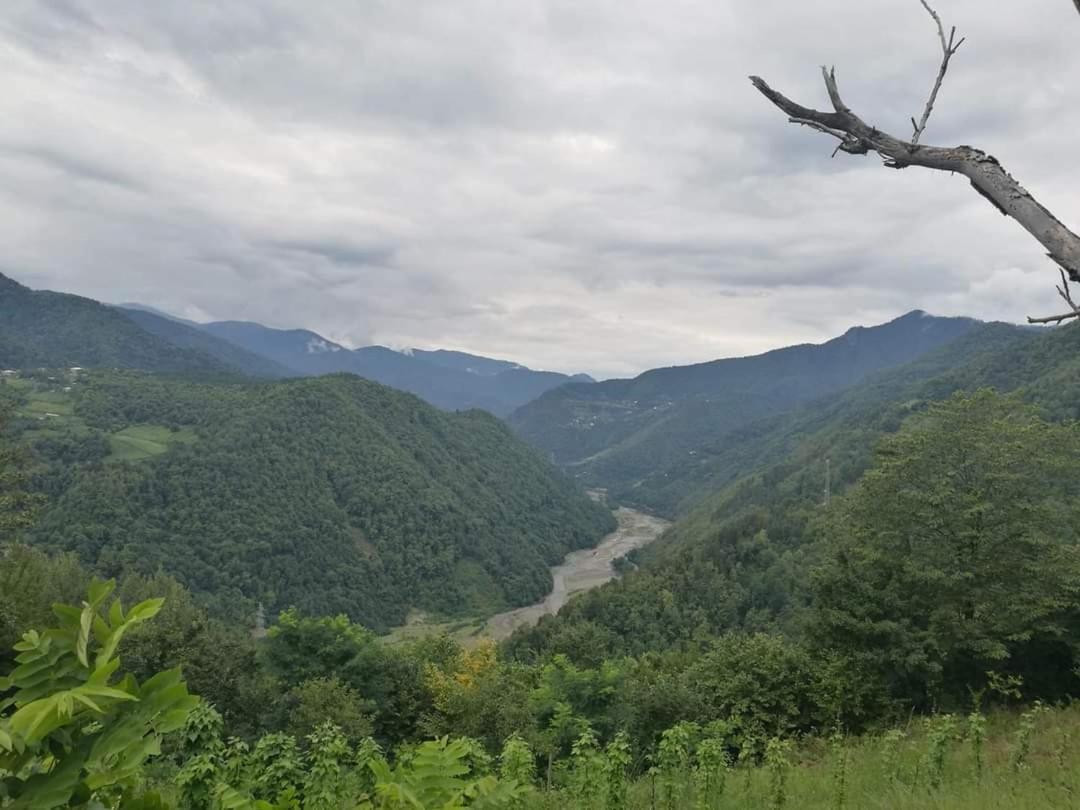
pixel 582 570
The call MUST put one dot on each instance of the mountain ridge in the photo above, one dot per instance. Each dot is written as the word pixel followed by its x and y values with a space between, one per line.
pixel 43 328
pixel 447 379
pixel 614 433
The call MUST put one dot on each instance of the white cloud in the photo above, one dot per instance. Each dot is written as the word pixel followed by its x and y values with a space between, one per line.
pixel 589 185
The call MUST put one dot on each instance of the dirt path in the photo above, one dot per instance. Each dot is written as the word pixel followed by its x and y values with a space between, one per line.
pixel 582 571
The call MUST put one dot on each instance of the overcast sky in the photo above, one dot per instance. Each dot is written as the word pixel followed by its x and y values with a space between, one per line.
pixel 580 185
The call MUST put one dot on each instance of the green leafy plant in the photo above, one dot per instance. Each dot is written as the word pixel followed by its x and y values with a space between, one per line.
pixel 616 765
pixel 73 731
pixel 587 768
pixel 710 774
pixel 328 749
pixel 673 759
pixel 437 775
pixel 939 731
pixel 1024 736
pixel 839 777
pixel 517 763
pixel 203 754
pixel 277 767
pixel 890 755
pixel 976 734
pixel 778 763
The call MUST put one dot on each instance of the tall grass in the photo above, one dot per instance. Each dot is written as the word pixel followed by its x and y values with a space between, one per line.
pixel 1005 760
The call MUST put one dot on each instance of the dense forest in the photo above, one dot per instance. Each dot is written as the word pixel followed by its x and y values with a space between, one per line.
pixel 39 328
pixel 245 567
pixel 651 440
pixel 871 589
pixel 739 558
pixel 942 581
pixel 331 494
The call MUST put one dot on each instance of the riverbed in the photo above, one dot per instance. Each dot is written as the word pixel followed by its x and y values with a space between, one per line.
pixel 581 571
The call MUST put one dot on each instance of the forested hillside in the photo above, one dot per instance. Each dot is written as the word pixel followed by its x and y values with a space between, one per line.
pixel 332 494
pixel 736 667
pixel 741 558
pixel 640 438
pixel 39 328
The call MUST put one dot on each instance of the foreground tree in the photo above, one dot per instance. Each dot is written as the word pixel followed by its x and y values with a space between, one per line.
pixel 72 731
pixel 987 176
pixel 959 554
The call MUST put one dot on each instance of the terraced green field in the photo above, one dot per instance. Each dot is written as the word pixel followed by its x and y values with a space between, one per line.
pixel 52 410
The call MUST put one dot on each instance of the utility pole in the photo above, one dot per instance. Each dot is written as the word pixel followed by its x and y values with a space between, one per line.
pixel 260 622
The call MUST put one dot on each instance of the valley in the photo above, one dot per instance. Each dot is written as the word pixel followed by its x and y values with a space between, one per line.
pixel 582 571
pixel 347 565
pixel 579 572
pixel 487 406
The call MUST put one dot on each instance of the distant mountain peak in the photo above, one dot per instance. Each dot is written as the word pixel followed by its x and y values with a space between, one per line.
pixel 618 430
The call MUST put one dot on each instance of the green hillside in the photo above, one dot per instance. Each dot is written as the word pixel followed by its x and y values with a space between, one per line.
pixel 644 439
pixel 740 559
pixel 39 328
pixel 332 494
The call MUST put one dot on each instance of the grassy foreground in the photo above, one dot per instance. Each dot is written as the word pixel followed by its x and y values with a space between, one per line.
pixel 1024 761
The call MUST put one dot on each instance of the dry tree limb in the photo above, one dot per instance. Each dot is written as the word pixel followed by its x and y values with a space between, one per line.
pixel 1063 291
pixel 949 47
pixel 986 175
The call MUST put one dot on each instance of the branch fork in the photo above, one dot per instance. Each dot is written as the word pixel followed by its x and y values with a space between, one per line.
pixel 985 173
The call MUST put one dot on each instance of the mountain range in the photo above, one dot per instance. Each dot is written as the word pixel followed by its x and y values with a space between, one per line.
pixel 647 440
pixel 446 379
pixel 40 328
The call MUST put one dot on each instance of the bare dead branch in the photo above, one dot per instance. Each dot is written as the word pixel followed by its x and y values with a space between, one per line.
pixel 1063 291
pixel 949 47
pixel 986 175
pixel 1077 4
pixel 1054 318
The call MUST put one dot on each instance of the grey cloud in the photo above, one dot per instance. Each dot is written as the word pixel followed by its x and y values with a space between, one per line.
pixel 76 166
pixel 575 184
pixel 338 252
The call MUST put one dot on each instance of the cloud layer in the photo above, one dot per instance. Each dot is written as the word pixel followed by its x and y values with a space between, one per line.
pixel 574 184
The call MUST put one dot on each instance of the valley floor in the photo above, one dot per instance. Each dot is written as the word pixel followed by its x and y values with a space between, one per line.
pixel 582 570
pixel 579 571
